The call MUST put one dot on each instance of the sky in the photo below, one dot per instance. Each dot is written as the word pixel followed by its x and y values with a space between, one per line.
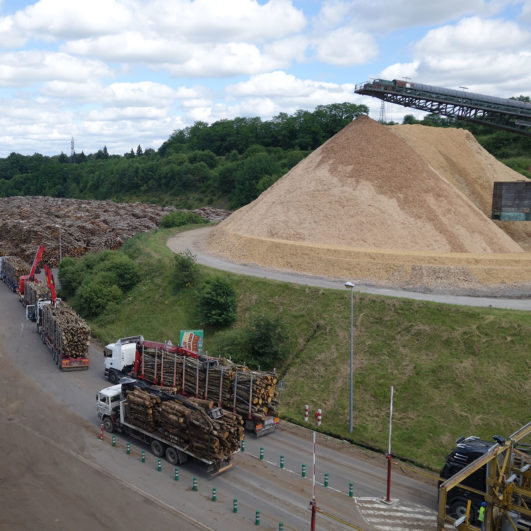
pixel 123 73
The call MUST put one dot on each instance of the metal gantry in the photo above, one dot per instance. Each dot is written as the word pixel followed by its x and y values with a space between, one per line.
pixel 503 113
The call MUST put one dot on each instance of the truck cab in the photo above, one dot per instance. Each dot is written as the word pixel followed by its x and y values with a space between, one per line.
pixel 108 404
pixel 119 357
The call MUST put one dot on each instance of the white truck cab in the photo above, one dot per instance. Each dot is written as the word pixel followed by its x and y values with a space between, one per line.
pixel 119 357
pixel 108 402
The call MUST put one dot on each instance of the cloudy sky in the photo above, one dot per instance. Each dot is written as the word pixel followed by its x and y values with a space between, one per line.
pixel 126 72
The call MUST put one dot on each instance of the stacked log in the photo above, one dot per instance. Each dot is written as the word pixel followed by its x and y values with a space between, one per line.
pixel 14 267
pixel 188 426
pixel 34 291
pixel 228 384
pixel 69 332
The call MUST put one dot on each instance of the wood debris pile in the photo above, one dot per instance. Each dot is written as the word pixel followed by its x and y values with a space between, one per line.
pixel 187 425
pixel 81 225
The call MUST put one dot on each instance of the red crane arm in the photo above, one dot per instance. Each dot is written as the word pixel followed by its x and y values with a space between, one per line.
pixel 49 282
pixel 36 260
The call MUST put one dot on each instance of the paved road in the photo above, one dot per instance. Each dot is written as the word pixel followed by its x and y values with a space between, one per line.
pixel 280 494
pixel 194 241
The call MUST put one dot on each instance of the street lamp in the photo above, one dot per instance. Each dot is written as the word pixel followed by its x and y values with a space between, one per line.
pixel 351 286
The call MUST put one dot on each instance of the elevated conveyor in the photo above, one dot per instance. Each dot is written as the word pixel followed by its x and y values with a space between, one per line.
pixel 503 113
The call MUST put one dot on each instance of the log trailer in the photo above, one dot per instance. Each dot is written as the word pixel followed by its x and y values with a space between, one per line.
pixel 125 357
pixel 51 331
pixel 115 413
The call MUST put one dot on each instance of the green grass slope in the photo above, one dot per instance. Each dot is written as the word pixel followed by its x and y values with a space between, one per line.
pixel 455 370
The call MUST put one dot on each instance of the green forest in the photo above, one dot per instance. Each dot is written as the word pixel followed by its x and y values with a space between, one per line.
pixel 227 163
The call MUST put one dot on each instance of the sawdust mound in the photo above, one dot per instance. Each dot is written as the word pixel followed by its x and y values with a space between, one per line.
pixel 389 208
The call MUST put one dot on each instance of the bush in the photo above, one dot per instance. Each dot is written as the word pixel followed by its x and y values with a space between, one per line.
pixel 185 270
pixel 218 302
pixel 178 218
pixel 95 294
pixel 123 270
pixel 265 341
pixel 70 275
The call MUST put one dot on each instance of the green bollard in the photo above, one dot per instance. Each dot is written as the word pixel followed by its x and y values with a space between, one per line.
pixel 214 497
pixel 261 452
pixel 176 474
pixel 159 465
pixel 143 458
pixel 281 461
pixel 303 470
pixel 235 505
pixel 114 441
pixel 351 490
pixel 257 519
pixel 243 445
pixel 280 526
pixel 128 448
pixel 194 484
pixel 326 480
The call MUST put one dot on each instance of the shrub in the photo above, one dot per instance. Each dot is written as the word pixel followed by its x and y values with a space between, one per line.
pixel 95 294
pixel 265 341
pixel 178 218
pixel 123 269
pixel 185 270
pixel 70 275
pixel 218 302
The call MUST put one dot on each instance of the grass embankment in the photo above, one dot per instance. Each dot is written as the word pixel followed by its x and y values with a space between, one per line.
pixel 455 370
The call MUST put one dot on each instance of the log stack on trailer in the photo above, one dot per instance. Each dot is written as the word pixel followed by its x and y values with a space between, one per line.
pixel 33 292
pixel 252 394
pixel 66 334
pixel 185 423
pixel 12 269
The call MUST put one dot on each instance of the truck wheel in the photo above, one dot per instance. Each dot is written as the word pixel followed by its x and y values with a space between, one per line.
pixel 172 456
pixel 458 508
pixel 108 425
pixel 157 448
pixel 113 378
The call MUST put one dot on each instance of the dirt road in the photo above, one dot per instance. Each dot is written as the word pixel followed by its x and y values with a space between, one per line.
pixel 194 240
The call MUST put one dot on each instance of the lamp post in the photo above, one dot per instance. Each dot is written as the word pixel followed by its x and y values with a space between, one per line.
pixel 351 286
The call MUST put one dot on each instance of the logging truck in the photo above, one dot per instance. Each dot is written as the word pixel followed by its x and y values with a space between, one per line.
pixel 65 334
pixel 122 408
pixel 198 375
pixel 12 270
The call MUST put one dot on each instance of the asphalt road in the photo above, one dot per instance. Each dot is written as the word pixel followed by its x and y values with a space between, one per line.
pixel 194 241
pixel 280 494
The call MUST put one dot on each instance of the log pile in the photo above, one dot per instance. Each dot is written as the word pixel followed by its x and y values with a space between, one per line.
pixel 69 332
pixel 14 267
pixel 234 387
pixel 34 291
pixel 190 428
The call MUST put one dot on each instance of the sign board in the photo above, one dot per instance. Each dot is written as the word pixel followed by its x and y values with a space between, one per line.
pixel 192 340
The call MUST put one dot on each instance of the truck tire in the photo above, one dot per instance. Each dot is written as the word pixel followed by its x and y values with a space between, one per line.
pixel 157 448
pixel 113 377
pixel 458 508
pixel 108 425
pixel 172 456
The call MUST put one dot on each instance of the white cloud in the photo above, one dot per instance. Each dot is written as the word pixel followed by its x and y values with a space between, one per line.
pixel 385 16
pixel 21 68
pixel 345 47
pixel 489 56
pixel 525 15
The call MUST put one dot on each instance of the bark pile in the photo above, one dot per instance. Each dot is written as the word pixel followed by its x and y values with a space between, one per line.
pixel 67 330
pixel 189 427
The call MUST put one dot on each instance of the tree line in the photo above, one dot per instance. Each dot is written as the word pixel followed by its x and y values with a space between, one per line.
pixel 228 163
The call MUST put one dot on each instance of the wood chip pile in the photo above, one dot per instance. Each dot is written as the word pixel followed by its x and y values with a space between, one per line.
pixel 191 429
pixel 226 383
pixel 67 330
pixel 34 291
pixel 85 225
pixel 14 267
